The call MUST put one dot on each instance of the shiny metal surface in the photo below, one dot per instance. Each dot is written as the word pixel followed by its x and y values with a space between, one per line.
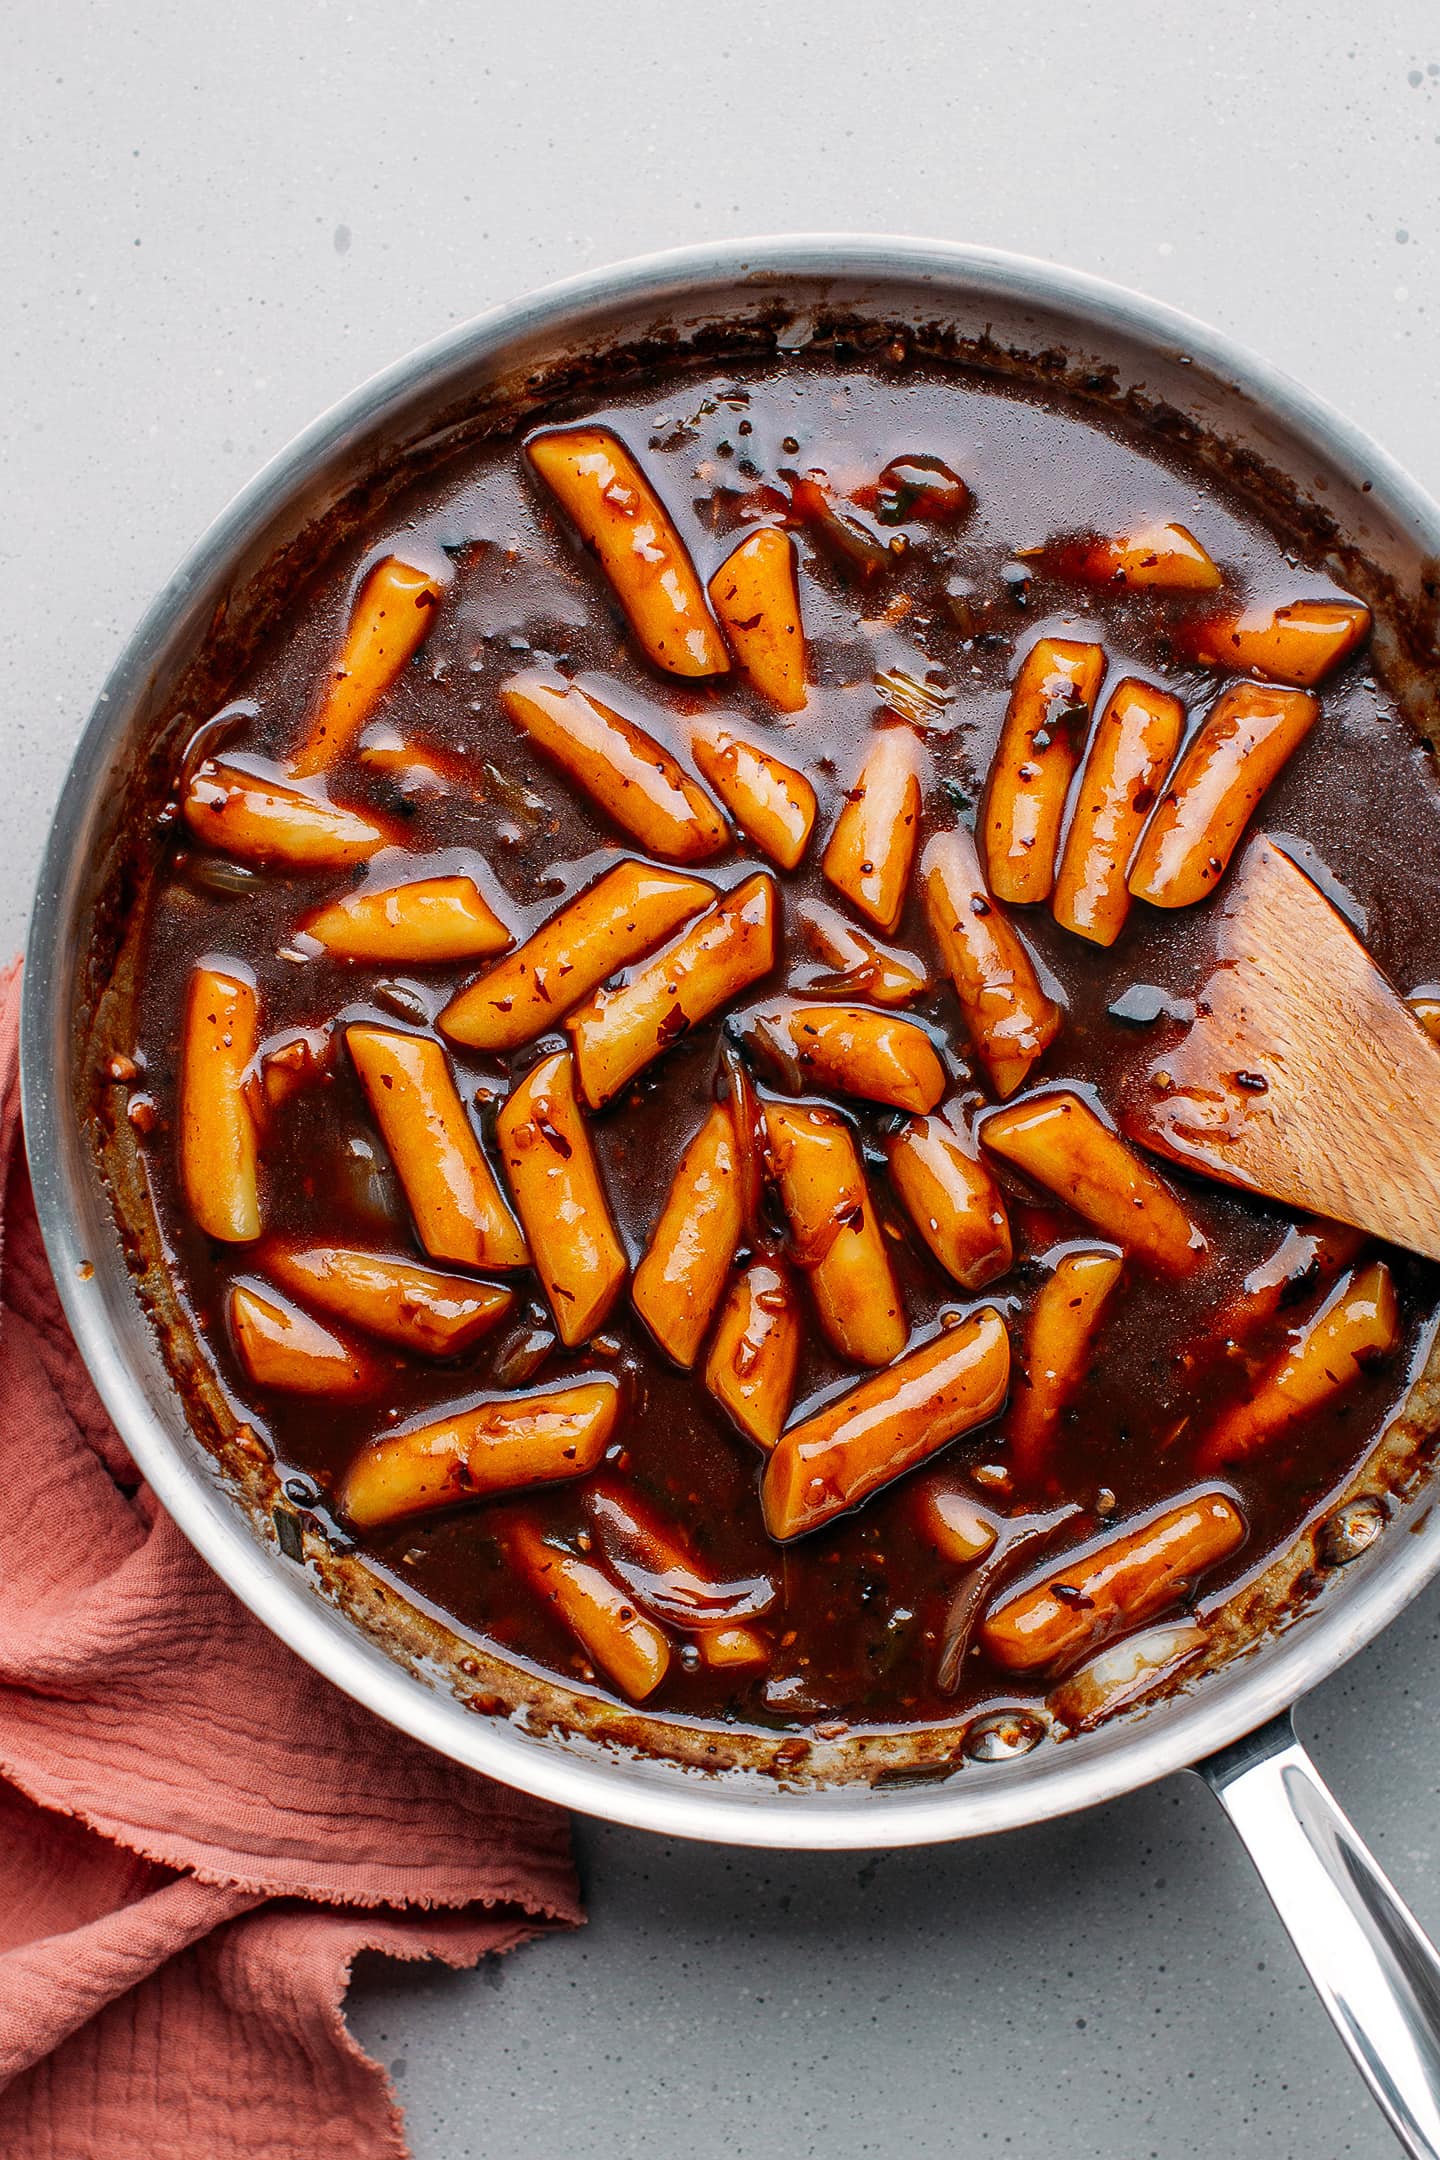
pixel 1023 300
pixel 1375 1972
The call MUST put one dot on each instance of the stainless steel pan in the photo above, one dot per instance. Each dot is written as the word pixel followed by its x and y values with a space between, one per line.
pixel 1376 1972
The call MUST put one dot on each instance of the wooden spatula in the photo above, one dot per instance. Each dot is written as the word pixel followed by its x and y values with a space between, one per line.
pixel 1303 1076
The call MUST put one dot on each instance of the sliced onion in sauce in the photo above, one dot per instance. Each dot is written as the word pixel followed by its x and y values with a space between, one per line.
pixel 923 704
pixel 747 1116
pixel 1020 1538
pixel 777 1046
pixel 212 736
pixel 1123 1672
pixel 663 1586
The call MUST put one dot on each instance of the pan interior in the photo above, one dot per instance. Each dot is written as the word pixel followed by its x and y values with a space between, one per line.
pixel 1015 322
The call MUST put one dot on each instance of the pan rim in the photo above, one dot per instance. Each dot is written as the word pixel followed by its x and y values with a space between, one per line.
pixel 739 1808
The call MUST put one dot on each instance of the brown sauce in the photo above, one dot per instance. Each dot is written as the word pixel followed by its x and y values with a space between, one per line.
pixel 856 1631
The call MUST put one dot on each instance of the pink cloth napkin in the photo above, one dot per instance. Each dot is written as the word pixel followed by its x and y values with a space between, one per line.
pixel 197 1834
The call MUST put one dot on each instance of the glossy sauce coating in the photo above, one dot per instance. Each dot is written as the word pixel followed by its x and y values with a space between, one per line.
pixel 855 1629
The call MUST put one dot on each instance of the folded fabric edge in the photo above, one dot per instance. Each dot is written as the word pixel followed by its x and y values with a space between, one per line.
pixel 546 1854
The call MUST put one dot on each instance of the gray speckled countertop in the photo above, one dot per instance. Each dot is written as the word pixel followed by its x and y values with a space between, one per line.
pixel 216 221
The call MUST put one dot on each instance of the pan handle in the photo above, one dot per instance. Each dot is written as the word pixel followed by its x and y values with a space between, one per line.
pixel 1376 1972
